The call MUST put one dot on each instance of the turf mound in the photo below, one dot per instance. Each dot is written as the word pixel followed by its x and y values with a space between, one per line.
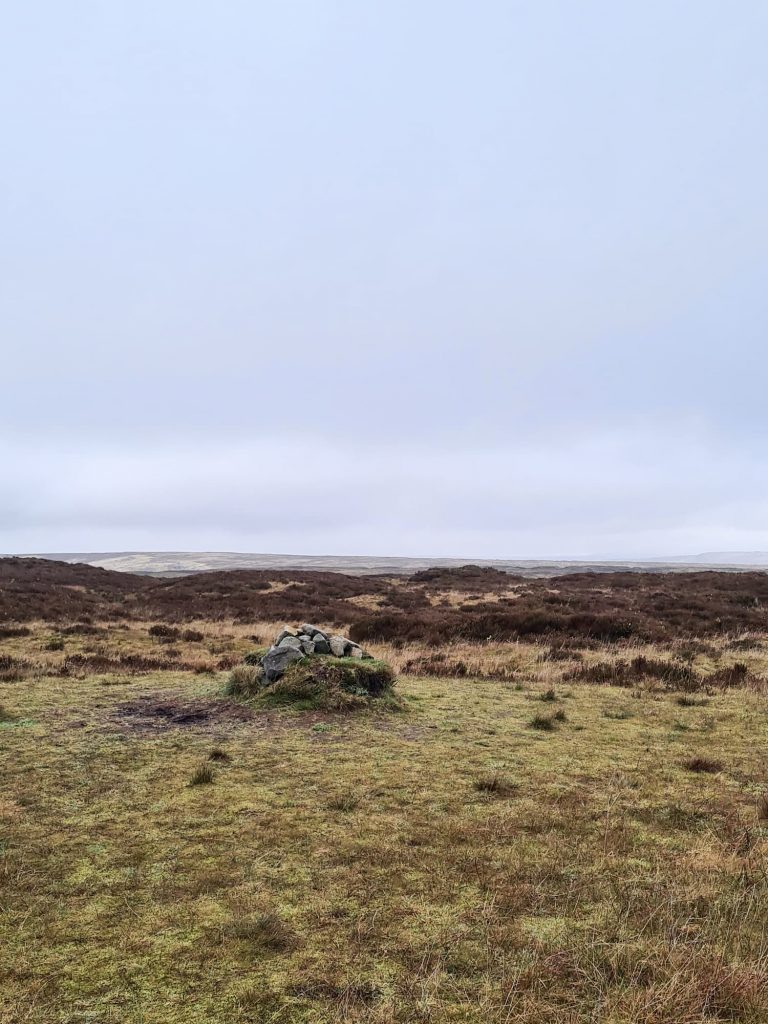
pixel 320 682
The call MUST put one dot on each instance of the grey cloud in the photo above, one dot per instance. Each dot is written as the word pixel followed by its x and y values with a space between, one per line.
pixel 596 497
pixel 297 278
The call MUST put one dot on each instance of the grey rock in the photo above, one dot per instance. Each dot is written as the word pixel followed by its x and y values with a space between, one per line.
pixel 283 634
pixel 277 660
pixel 308 646
pixel 354 651
pixel 309 629
pixel 290 641
pixel 321 644
pixel 338 645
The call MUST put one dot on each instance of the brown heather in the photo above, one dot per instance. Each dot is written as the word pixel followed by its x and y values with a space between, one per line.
pixel 434 607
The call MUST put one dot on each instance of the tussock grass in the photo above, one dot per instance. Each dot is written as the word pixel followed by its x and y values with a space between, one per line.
pixel 544 723
pixel 219 755
pixel 265 931
pixel 203 775
pixel 13 669
pixel 548 723
pixel 344 801
pixel 685 700
pixel 245 681
pixel 495 784
pixel 703 764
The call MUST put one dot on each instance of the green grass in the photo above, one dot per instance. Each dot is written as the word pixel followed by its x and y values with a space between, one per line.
pixel 325 683
pixel 444 864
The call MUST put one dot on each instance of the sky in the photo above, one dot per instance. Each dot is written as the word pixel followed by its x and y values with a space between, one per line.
pixel 447 278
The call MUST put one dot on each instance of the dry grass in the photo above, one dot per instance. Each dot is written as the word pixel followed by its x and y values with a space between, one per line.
pixel 495 784
pixel 663 667
pixel 203 775
pixel 446 863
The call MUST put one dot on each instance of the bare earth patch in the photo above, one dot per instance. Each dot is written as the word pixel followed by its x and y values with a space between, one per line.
pixel 158 712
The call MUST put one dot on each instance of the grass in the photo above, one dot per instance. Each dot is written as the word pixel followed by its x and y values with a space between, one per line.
pixel 332 684
pixel 345 801
pixel 548 723
pixel 443 864
pixel 266 931
pixel 219 755
pixel 203 775
pixel 245 681
pixel 495 784
pixel 686 701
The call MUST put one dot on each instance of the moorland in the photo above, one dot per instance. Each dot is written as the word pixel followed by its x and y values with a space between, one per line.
pixel 175 563
pixel 562 818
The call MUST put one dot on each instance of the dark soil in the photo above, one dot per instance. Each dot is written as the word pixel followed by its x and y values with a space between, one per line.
pixel 157 713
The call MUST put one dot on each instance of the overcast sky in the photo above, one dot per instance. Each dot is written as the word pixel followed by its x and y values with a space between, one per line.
pixel 383 277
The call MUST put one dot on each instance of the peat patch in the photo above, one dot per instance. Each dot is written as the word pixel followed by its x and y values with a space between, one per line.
pixel 159 712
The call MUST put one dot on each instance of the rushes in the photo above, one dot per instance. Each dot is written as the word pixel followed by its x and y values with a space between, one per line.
pixel 203 775
pixel 548 723
pixel 495 784
pixel 265 931
pixel 345 801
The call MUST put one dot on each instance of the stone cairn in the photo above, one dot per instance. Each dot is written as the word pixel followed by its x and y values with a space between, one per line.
pixel 294 644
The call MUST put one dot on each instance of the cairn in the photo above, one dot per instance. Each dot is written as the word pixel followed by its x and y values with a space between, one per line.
pixel 306 640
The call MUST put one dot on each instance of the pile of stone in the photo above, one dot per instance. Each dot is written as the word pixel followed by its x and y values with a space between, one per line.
pixel 294 644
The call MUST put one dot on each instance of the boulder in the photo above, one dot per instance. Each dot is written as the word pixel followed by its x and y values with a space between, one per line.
pixel 293 645
pixel 277 660
pixel 338 645
pixel 290 641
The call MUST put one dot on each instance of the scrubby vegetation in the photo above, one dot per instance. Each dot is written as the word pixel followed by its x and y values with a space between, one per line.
pixel 434 607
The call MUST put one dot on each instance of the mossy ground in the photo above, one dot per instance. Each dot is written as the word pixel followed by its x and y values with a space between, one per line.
pixel 326 683
pixel 368 867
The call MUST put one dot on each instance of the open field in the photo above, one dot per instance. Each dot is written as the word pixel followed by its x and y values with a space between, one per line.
pixel 522 841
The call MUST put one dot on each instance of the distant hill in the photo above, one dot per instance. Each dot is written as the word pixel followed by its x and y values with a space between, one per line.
pixel 730 558
pixel 179 563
